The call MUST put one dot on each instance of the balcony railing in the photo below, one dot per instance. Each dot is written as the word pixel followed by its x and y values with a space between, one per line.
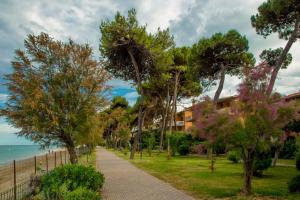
pixel 178 123
pixel 189 118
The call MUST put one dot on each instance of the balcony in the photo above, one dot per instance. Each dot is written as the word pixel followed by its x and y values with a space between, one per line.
pixel 178 123
pixel 189 118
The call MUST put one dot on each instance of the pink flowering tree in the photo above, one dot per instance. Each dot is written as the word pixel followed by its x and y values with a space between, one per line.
pixel 256 119
pixel 209 125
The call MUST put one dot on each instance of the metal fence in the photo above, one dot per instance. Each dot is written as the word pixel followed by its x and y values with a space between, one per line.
pixel 15 176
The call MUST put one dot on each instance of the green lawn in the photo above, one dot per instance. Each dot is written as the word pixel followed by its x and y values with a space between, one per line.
pixel 192 174
pixel 89 159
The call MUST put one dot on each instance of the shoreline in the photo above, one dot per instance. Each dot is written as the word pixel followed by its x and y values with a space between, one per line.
pixel 36 152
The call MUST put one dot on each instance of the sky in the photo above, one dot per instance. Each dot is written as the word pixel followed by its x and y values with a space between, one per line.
pixel 188 21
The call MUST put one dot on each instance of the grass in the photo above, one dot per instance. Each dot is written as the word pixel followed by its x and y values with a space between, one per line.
pixel 88 159
pixel 192 174
pixel 286 162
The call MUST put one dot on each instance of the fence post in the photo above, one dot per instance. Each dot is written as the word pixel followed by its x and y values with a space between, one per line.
pixel 34 164
pixel 65 157
pixel 54 159
pixel 60 158
pixel 15 181
pixel 47 163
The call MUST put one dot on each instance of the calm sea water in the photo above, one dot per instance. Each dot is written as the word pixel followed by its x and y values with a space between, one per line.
pixel 9 153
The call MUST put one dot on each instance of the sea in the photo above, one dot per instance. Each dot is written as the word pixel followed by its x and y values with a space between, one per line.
pixel 8 153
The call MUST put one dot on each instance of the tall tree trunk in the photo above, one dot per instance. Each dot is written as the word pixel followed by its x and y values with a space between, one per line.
pixel 248 158
pixel 173 111
pixel 140 114
pixel 221 85
pixel 282 57
pixel 72 153
pixel 276 155
pixel 133 143
pixel 175 98
pixel 165 117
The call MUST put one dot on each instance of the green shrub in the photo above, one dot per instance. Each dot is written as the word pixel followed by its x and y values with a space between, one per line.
pixel 298 161
pixel 294 184
pixel 289 149
pixel 183 149
pixel 234 156
pixel 82 194
pixel 180 141
pixel 262 162
pixel 68 178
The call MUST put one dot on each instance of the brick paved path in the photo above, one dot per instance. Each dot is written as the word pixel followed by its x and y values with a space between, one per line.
pixel 123 181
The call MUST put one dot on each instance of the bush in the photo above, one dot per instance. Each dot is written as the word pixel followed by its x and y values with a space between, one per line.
pixel 69 178
pixel 298 161
pixel 234 156
pixel 294 184
pixel 262 162
pixel 180 142
pixel 82 194
pixel 183 149
pixel 289 149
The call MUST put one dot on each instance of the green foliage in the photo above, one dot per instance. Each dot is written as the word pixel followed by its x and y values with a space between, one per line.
pixel 180 142
pixel 119 101
pixel 234 156
pixel 262 162
pixel 69 178
pixel 276 16
pixel 289 149
pixel 82 194
pixel 271 56
pixel 124 34
pixel 298 161
pixel 184 149
pixel 209 54
pixel 294 184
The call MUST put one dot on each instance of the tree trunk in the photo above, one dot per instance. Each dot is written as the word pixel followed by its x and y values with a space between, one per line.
pixel 248 172
pixel 165 117
pixel 276 155
pixel 140 114
pixel 221 84
pixel 175 98
pixel 133 142
pixel 282 57
pixel 73 155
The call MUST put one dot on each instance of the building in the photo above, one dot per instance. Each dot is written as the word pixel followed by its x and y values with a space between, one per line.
pixel 185 120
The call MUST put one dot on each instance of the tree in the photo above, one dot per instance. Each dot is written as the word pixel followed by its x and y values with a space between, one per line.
pixel 213 58
pixel 131 53
pixel 210 124
pixel 119 101
pixel 256 119
pixel 282 17
pixel 55 92
pixel 117 123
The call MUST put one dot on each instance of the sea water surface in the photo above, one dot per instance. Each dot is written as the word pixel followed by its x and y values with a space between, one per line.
pixel 9 153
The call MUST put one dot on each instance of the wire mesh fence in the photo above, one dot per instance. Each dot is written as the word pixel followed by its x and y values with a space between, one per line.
pixel 15 176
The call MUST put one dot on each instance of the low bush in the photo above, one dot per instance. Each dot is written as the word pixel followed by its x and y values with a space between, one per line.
pixel 298 161
pixel 82 194
pixel 69 180
pixel 234 156
pixel 183 149
pixel 289 149
pixel 180 142
pixel 294 184
pixel 262 162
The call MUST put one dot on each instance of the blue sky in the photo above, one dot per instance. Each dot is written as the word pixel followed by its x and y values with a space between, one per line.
pixel 188 21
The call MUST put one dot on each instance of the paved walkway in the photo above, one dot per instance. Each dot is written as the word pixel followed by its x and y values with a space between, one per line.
pixel 123 181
